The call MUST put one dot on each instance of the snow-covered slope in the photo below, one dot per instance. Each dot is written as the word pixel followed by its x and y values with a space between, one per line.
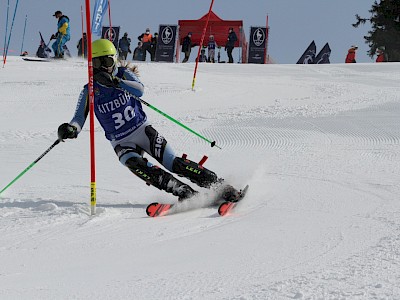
pixel 319 146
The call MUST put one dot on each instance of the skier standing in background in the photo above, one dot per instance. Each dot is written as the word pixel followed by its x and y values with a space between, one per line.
pixel 62 35
pixel 211 49
pixel 130 132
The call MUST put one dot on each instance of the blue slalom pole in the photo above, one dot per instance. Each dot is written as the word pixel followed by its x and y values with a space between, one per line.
pixel 23 35
pixel 9 36
pixel 5 35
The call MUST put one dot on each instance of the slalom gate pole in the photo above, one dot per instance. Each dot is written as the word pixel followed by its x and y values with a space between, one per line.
pixel 5 35
pixel 91 112
pixel 176 121
pixel 23 35
pixel 83 40
pixel 30 166
pixel 9 36
pixel 201 45
pixel 109 19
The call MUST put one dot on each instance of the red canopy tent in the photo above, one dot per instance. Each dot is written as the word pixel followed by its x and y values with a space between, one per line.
pixel 217 27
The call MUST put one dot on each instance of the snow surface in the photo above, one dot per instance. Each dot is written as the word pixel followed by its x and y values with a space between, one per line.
pixel 318 145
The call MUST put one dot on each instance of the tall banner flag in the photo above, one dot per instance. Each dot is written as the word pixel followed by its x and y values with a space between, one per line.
pixel 100 9
pixel 257 45
pixel 111 34
pixel 166 43
pixel 308 56
pixel 323 55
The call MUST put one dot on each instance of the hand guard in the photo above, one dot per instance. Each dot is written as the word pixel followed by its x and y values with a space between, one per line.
pixel 67 131
pixel 106 79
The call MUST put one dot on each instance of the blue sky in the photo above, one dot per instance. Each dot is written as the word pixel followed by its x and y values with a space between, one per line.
pixel 293 23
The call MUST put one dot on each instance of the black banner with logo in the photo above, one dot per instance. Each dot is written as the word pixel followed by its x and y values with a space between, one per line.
pixel 308 56
pixel 165 50
pixel 105 34
pixel 323 55
pixel 257 45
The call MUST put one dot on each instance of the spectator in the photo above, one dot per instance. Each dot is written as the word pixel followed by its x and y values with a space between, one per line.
pixel 203 57
pixel 230 44
pixel 62 35
pixel 83 46
pixel 154 46
pixel 381 55
pixel 187 46
pixel 351 55
pixel 211 49
pixel 124 46
pixel 145 38
pixel 138 52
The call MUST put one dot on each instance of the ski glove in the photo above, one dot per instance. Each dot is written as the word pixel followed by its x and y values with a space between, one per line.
pixel 67 131
pixel 106 79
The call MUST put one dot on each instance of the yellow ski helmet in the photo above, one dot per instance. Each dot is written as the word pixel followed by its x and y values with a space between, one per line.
pixel 104 55
pixel 103 47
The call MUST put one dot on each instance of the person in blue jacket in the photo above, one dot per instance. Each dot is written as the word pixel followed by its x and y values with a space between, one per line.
pixel 62 35
pixel 120 113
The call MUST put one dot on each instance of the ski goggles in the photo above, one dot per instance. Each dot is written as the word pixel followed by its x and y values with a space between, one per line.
pixel 104 61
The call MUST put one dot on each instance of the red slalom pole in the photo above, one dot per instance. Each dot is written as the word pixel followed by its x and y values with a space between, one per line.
pixel 201 45
pixel 91 112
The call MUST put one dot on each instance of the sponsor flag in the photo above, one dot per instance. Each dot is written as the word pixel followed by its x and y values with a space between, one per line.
pixel 165 49
pixel 323 55
pixel 100 9
pixel 111 34
pixel 308 56
pixel 257 45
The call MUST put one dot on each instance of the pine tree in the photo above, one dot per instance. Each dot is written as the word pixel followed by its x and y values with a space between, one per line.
pixel 385 32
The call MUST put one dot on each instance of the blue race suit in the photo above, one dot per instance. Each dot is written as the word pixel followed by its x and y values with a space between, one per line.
pixel 118 112
pixel 122 117
pixel 63 36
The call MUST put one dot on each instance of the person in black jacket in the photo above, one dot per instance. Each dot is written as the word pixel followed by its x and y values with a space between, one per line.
pixel 230 44
pixel 187 46
pixel 82 46
pixel 153 46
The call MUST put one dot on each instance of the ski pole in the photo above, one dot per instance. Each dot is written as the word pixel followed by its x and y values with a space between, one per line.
pixel 176 121
pixel 5 35
pixel 30 166
pixel 9 36
pixel 23 35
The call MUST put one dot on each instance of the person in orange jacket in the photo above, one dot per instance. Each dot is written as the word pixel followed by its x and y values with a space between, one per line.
pixel 381 54
pixel 351 55
pixel 145 38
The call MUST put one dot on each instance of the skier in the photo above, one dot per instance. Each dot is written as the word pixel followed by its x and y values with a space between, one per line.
pixel 129 131
pixel 62 35
pixel 211 49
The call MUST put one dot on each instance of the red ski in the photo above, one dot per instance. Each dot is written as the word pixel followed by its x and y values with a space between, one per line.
pixel 227 206
pixel 158 209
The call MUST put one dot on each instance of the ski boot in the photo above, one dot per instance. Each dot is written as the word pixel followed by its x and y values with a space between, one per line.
pixel 228 193
pixel 159 178
pixel 195 172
